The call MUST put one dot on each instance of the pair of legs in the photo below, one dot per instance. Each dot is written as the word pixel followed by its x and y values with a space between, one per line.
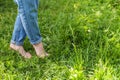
pixel 27 25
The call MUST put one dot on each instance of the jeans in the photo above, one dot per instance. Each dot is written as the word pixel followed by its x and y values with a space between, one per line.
pixel 26 23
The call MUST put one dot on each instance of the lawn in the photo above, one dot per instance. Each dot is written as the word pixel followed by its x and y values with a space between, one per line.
pixel 82 36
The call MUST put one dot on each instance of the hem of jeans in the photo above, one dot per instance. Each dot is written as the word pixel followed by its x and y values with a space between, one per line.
pixel 36 42
pixel 17 43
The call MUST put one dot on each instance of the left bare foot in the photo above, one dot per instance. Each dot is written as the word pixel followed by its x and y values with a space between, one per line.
pixel 21 50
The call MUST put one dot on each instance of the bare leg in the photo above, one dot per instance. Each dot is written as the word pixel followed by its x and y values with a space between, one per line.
pixel 40 50
pixel 21 50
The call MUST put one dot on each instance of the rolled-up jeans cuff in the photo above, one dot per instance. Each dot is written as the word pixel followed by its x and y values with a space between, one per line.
pixel 16 43
pixel 36 42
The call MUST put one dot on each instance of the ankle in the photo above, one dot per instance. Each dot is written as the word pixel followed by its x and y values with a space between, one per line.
pixel 39 45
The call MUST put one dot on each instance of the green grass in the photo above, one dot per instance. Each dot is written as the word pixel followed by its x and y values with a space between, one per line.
pixel 82 36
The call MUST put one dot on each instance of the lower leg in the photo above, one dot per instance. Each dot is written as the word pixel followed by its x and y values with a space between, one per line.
pixel 18 37
pixel 28 10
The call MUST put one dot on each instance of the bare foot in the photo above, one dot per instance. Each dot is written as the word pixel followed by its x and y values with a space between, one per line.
pixel 21 50
pixel 40 50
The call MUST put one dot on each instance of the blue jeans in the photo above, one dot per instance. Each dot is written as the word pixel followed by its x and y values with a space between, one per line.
pixel 26 23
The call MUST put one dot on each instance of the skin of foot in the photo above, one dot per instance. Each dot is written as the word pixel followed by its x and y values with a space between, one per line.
pixel 21 50
pixel 40 50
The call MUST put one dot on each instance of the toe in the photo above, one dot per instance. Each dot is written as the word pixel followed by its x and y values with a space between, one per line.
pixel 28 55
pixel 46 54
pixel 41 56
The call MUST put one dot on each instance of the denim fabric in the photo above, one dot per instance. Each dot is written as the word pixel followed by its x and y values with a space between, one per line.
pixel 26 22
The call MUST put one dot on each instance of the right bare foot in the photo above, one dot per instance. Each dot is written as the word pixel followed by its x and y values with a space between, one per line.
pixel 21 50
pixel 40 50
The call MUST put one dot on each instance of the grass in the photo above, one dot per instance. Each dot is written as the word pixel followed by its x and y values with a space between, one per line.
pixel 82 36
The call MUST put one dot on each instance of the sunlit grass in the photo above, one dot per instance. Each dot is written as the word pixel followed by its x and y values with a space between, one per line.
pixel 83 38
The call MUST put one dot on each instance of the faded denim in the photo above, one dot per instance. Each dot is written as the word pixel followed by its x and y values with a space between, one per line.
pixel 26 23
